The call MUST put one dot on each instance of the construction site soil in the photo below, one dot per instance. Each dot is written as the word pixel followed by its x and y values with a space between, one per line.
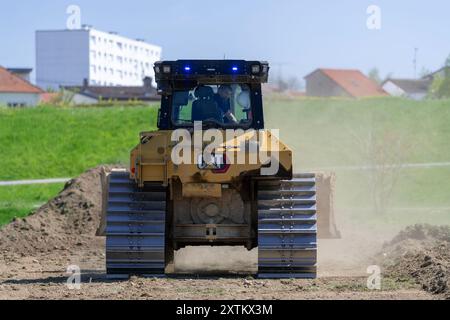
pixel 36 251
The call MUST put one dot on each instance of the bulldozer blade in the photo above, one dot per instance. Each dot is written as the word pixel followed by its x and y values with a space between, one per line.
pixel 325 193
pixel 104 182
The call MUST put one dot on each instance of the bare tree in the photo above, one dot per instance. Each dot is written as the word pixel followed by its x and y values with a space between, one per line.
pixel 374 74
pixel 294 83
pixel 424 72
pixel 384 155
pixel 285 84
pixel 282 84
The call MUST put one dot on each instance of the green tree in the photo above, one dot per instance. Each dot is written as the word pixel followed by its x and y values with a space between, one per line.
pixel 433 91
pixel 440 87
pixel 444 88
pixel 447 62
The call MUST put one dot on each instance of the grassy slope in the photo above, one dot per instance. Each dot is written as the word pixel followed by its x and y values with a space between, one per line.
pixel 50 142
pixel 53 142
pixel 324 129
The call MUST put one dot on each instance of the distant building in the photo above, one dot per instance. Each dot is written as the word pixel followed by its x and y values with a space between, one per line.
pixel 88 94
pixel 67 57
pixel 24 73
pixel 416 89
pixel 17 92
pixel 49 98
pixel 341 83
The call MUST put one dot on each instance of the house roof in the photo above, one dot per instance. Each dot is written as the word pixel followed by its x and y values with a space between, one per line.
pixel 116 92
pixel 411 85
pixel 10 82
pixel 441 70
pixel 354 82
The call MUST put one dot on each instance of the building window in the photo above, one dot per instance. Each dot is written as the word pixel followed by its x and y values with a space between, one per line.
pixel 16 104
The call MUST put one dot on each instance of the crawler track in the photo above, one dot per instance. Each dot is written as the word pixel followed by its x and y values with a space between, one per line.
pixel 135 230
pixel 287 228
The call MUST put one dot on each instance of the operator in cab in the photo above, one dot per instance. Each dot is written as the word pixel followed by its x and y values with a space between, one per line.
pixel 223 100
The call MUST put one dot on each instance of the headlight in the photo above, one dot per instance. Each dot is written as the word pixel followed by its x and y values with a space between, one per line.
pixel 256 68
pixel 166 69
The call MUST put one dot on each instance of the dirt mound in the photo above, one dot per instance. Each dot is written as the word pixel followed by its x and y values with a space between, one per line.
pixel 421 252
pixel 69 220
pixel 423 232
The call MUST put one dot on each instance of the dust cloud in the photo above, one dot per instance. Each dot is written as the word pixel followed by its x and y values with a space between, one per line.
pixel 369 146
pixel 233 260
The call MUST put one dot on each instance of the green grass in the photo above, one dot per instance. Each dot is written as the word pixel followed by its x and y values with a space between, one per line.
pixel 19 201
pixel 49 142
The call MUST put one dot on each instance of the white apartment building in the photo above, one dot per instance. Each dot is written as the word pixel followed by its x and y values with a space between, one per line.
pixel 67 57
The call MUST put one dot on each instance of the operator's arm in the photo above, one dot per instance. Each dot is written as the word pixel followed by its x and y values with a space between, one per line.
pixel 230 116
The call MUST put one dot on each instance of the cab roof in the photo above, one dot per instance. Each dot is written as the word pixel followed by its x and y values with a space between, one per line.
pixel 212 71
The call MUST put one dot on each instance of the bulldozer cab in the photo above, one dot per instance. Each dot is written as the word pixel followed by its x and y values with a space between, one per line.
pixel 223 94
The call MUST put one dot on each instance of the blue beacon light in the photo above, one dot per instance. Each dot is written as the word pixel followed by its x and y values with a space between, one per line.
pixel 187 68
pixel 235 69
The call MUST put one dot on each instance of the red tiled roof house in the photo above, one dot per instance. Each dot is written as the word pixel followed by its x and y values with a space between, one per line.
pixel 16 91
pixel 341 83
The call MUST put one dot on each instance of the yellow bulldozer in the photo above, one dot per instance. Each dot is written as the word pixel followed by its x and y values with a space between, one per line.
pixel 211 175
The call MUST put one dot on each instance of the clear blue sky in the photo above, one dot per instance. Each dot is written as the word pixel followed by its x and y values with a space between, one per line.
pixel 301 34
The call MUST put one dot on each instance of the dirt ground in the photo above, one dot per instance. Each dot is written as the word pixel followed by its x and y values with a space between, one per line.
pixel 43 276
pixel 36 252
